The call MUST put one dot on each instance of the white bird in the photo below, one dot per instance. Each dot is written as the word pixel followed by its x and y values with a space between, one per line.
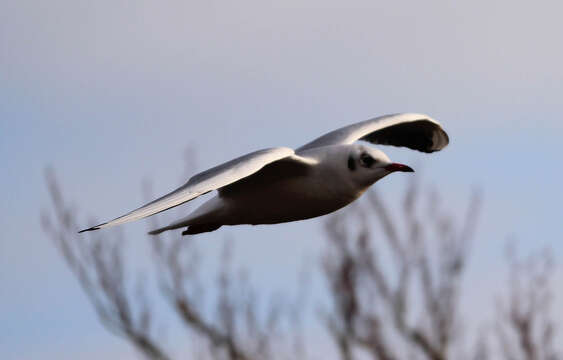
pixel 279 185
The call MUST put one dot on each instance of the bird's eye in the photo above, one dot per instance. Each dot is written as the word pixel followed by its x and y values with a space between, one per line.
pixel 366 160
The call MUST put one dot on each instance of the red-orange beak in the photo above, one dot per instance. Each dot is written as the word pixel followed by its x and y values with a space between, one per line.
pixel 398 167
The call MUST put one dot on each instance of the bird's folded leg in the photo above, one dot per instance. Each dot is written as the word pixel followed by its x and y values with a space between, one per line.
pixel 198 229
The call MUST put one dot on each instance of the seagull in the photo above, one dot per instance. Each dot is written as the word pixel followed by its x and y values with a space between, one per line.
pixel 278 185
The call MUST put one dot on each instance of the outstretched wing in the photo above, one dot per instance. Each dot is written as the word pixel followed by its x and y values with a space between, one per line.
pixel 415 131
pixel 288 167
pixel 207 181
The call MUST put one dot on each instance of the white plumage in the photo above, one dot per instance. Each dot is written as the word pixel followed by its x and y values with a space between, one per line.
pixel 279 184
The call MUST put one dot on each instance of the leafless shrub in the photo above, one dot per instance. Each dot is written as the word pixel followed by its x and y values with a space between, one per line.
pixel 99 266
pixel 395 289
pixel 236 329
pixel 525 328
pixel 396 295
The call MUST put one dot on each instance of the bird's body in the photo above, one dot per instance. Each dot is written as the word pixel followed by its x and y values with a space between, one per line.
pixel 281 185
pixel 302 196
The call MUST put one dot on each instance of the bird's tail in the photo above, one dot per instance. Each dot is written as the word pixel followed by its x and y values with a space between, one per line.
pixel 203 219
pixel 191 229
pixel 159 230
pixel 186 221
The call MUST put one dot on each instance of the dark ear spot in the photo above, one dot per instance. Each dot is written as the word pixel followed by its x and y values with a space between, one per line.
pixel 351 163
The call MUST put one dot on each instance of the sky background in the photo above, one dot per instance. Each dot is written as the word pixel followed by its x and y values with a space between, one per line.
pixel 111 93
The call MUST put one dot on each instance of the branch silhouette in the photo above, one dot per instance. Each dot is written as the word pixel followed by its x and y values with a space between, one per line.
pixel 394 282
pixel 374 299
pixel 238 331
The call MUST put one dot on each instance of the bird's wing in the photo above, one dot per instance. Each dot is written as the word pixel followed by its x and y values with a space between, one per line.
pixel 288 167
pixel 210 180
pixel 415 131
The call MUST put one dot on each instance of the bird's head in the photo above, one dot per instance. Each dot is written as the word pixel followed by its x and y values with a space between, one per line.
pixel 366 165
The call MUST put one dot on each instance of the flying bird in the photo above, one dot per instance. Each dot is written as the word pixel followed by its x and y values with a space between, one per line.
pixel 280 184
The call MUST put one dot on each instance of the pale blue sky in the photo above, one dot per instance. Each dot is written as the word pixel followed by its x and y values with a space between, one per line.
pixel 112 92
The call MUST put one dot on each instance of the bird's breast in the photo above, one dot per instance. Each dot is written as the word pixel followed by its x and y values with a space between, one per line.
pixel 287 200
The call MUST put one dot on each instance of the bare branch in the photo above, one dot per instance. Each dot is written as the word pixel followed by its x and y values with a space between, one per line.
pixel 525 329
pixel 373 305
pixel 98 264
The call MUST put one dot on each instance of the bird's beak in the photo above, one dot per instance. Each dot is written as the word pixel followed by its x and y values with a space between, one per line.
pixel 398 167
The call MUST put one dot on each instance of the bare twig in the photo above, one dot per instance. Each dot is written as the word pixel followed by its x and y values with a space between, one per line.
pixel 525 329
pixel 373 304
pixel 99 266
